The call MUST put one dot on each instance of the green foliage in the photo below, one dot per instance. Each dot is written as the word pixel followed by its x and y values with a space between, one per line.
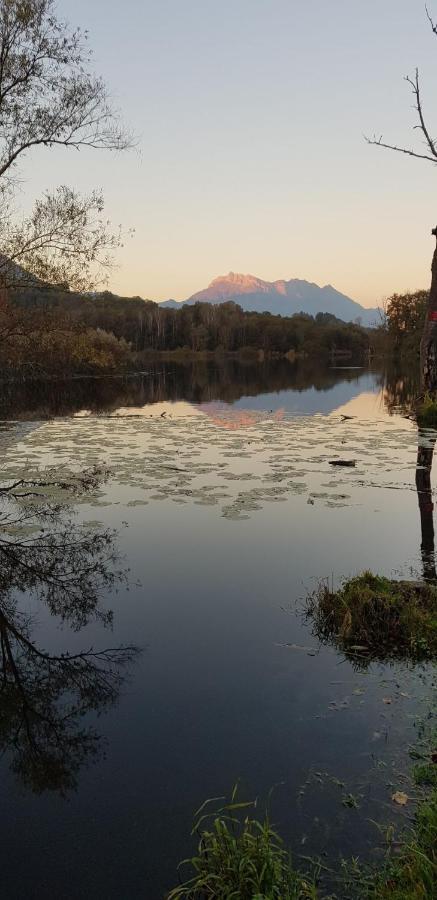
pixel 405 317
pixel 426 412
pixel 413 874
pixel 376 617
pixel 39 342
pixel 426 774
pixel 240 858
pixel 201 327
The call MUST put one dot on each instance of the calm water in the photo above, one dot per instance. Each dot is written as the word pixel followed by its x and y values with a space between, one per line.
pixel 227 513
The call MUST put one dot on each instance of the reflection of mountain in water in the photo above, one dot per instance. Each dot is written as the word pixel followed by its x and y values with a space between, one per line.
pixel 315 399
pixel 297 388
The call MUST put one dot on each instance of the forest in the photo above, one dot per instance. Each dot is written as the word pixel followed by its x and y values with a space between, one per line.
pixel 42 330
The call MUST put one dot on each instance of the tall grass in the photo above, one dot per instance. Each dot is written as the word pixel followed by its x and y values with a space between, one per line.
pixel 412 875
pixel 240 858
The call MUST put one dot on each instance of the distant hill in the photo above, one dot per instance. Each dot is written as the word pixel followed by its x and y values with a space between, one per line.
pixel 280 298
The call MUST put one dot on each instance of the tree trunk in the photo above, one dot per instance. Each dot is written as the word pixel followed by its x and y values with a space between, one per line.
pixel 426 505
pixel 428 346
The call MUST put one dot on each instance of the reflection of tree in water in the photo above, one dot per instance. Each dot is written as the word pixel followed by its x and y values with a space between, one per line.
pixel 400 389
pixel 425 453
pixel 44 696
pixel 400 396
pixel 43 699
pixel 225 380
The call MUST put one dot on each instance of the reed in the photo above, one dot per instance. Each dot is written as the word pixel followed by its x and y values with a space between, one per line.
pixel 240 857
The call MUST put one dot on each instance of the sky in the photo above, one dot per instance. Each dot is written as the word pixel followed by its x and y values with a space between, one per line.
pixel 250 118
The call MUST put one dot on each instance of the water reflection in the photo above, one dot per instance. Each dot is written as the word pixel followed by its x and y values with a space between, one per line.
pixel 45 696
pixel 43 699
pixel 299 387
pixel 227 528
pixel 401 388
pixel 425 455
pixel 400 393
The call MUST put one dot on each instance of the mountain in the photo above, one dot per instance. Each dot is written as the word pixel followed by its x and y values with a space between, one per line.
pixel 282 298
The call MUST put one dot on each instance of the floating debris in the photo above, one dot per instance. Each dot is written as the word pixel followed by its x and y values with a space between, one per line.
pixel 349 463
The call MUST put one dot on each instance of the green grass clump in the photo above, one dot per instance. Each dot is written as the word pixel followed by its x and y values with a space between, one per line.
pixel 240 858
pixel 375 617
pixel 426 774
pixel 426 412
pixel 413 874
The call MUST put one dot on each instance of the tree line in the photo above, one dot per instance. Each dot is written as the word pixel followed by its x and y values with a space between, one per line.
pixel 44 329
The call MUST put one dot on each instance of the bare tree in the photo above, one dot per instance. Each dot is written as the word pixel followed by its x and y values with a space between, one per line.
pixel 50 97
pixel 430 144
pixel 428 347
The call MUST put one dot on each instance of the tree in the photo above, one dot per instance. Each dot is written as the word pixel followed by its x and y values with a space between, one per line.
pixel 45 696
pixel 49 97
pixel 405 317
pixel 44 700
pixel 428 347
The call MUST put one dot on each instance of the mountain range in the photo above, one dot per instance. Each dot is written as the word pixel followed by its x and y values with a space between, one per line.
pixel 282 298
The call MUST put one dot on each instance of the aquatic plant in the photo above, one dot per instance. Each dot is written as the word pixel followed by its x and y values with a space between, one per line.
pixel 375 617
pixel 240 857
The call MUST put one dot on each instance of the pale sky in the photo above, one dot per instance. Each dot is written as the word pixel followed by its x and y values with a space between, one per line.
pixel 250 116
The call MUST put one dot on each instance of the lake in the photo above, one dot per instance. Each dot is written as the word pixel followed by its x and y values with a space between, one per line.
pixel 227 514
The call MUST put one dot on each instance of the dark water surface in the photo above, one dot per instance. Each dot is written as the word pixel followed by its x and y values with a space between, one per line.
pixel 227 513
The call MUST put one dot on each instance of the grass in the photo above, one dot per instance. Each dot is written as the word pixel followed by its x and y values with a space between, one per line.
pixel 413 873
pixel 240 857
pixel 426 412
pixel 372 617
pixel 425 774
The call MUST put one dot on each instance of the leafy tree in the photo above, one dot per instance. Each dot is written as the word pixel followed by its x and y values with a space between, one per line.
pixel 405 317
pixel 49 97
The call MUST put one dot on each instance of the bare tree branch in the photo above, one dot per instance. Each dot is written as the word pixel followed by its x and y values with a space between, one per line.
pixel 378 142
pixel 431 21
pixel 414 83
